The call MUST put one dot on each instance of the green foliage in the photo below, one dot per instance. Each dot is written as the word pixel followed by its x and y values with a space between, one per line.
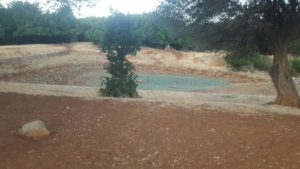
pixel 91 29
pixel 262 63
pixel 184 43
pixel 294 47
pixel 120 39
pixel 152 34
pixel 158 39
pixel 260 26
pixel 23 22
pixel 237 61
pixel 248 62
pixel 158 32
pixel 294 66
pixel 255 61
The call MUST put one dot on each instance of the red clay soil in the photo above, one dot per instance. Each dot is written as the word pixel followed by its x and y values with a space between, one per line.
pixel 134 135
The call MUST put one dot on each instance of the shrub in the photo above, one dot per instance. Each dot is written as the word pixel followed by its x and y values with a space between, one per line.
pixel 294 47
pixel 248 62
pixel 120 40
pixel 123 80
pixel 236 61
pixel 294 64
pixel 262 63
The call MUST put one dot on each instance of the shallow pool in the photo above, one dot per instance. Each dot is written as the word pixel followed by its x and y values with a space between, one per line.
pixel 169 82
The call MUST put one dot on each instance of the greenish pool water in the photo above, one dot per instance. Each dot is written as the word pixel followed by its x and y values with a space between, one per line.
pixel 167 82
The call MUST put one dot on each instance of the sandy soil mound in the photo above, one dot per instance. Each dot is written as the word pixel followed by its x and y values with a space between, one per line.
pixel 18 51
pixel 174 58
pixel 67 68
pixel 209 64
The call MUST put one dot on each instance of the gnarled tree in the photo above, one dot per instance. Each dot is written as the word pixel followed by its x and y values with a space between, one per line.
pixel 266 26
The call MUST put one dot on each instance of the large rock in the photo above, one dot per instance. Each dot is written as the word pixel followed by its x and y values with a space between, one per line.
pixel 34 129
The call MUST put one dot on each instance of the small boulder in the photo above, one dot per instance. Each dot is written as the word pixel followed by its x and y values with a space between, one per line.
pixel 34 129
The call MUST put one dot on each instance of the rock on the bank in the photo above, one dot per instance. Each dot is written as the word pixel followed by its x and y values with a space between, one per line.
pixel 34 129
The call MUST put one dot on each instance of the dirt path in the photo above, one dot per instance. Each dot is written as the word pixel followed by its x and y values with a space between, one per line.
pixel 107 134
pixel 247 104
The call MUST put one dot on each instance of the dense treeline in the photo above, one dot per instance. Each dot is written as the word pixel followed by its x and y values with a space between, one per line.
pixel 25 23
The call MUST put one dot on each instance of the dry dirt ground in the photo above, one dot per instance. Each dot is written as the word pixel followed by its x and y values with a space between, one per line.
pixel 64 65
pixel 69 60
pixel 231 127
pixel 120 134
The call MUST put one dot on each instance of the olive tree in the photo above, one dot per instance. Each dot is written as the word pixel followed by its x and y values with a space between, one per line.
pixel 265 26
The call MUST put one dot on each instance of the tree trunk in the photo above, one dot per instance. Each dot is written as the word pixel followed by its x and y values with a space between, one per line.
pixel 287 94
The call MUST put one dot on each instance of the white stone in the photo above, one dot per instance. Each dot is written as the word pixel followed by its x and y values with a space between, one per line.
pixel 34 129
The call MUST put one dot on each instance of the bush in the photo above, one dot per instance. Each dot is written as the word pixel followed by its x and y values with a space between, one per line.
pixel 236 61
pixel 178 44
pixel 123 80
pixel 120 40
pixel 262 63
pixel 294 47
pixel 294 64
pixel 248 62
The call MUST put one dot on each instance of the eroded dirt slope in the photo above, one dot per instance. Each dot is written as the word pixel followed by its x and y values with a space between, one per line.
pixel 82 57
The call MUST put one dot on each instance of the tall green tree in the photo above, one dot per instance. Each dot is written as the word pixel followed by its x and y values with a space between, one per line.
pixel 6 26
pixel 120 39
pixel 266 26
pixel 91 29
pixel 75 4
pixel 23 22
pixel 26 20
